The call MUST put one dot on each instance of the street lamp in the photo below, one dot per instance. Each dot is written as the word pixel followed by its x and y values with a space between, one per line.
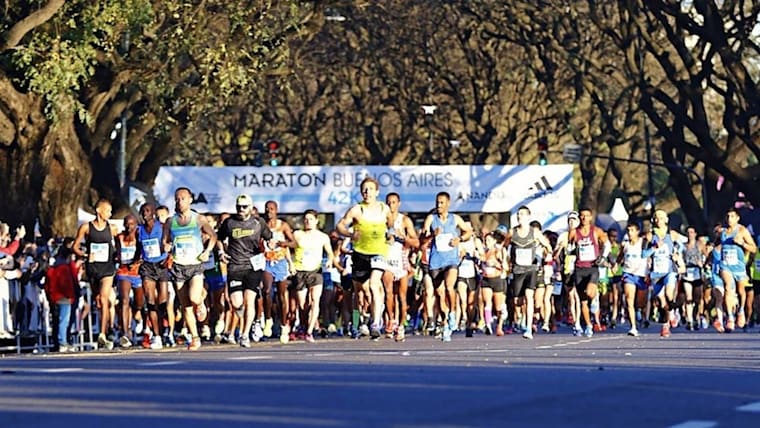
pixel 429 111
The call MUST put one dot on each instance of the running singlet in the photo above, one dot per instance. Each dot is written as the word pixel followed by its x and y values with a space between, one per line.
pixel 100 245
pixel 187 243
pixel 692 257
pixel 634 259
pixel 396 252
pixel 308 254
pixel 662 258
pixel 371 230
pixel 523 251
pixel 731 254
pixel 151 243
pixel 587 248
pixel 467 265
pixel 442 254
pixel 274 252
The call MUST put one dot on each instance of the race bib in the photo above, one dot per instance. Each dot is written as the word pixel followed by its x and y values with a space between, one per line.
pixel 378 262
pixel 557 290
pixel 395 255
pixel 523 256
pixel 661 264
pixel 258 262
pixel 443 242
pixel 151 248
pixel 98 252
pixel 184 248
pixel 602 274
pixel 693 273
pixel 730 256
pixel 467 269
pixel 128 255
pixel 586 253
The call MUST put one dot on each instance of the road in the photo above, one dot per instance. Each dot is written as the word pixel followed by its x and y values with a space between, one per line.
pixel 691 380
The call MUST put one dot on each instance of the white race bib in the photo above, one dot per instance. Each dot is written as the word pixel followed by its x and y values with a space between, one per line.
pixel 378 262
pixel 467 269
pixel 443 242
pixel 557 290
pixel 693 273
pixel 184 248
pixel 730 256
pixel 523 256
pixel 661 264
pixel 151 248
pixel 586 252
pixel 98 252
pixel 128 255
pixel 258 262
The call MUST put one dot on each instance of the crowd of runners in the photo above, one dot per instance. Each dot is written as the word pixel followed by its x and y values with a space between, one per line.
pixel 185 278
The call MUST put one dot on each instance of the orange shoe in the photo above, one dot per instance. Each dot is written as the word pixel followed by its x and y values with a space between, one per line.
pixel 499 331
pixel 730 326
pixel 718 326
pixel 665 332
pixel 741 320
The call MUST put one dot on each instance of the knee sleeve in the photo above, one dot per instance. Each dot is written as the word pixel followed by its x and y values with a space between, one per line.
pixel 151 307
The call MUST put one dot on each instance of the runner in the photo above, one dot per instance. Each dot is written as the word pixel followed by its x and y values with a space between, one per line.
pixel 311 245
pixel 242 235
pixel 128 278
pixel 564 253
pixel 664 272
pixel 467 281
pixel 153 271
pixel 525 241
pixel 446 231
pixel 494 261
pixel 370 220
pixel 591 245
pixel 98 238
pixel 694 256
pixel 183 237
pixel 404 238
pixel 735 242
pixel 277 271
pixel 633 257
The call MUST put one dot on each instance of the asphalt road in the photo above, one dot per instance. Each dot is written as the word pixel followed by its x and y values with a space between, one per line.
pixel 691 380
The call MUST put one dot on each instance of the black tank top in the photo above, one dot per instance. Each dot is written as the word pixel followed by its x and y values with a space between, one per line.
pixel 100 244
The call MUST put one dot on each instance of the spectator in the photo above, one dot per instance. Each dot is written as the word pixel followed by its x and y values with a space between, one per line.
pixel 60 286
pixel 8 246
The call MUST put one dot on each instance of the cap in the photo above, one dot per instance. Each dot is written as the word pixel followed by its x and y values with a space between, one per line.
pixel 573 215
pixel 244 200
pixel 502 229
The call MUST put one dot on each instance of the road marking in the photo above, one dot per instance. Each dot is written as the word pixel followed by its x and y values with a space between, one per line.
pixel 751 407
pixel 251 357
pixel 577 342
pixel 695 424
pixel 160 363
pixel 62 370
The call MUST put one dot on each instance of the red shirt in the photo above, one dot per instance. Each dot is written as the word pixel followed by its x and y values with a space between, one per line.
pixel 60 282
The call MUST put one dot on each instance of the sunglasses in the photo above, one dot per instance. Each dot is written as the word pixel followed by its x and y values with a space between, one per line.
pixel 242 207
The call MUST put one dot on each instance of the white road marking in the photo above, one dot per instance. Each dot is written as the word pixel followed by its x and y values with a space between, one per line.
pixel 695 424
pixel 751 407
pixel 251 357
pixel 62 370
pixel 160 363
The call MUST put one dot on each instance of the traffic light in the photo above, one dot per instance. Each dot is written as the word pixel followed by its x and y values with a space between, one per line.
pixel 274 152
pixel 543 148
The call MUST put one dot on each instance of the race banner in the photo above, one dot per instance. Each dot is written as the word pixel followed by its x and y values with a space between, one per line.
pixel 546 190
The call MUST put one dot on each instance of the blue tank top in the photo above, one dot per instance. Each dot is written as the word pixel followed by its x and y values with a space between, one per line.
pixel 662 257
pixel 441 253
pixel 731 255
pixel 151 243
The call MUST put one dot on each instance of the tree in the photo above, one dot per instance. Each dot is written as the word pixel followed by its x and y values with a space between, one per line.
pixel 69 70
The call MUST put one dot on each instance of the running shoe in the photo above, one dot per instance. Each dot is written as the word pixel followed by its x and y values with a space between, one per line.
pixel 169 340
pixel 268 324
pixel 633 332
pixel 245 342
pixel 500 330
pixel 730 326
pixel 400 335
pixel 156 343
pixel 309 338
pixel 718 326
pixel 257 333
pixel 374 333
pixel 219 327
pixel 104 343
pixel 545 327
pixel 528 334
pixel 139 327
pixel 588 332
pixel 205 333
pixel 446 337
pixel 195 344
pixel 331 329
pixel 146 340
pixel 364 330
pixel 284 334
pixel 452 321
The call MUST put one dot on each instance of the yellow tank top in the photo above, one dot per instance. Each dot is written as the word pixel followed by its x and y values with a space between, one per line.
pixel 371 230
pixel 308 255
